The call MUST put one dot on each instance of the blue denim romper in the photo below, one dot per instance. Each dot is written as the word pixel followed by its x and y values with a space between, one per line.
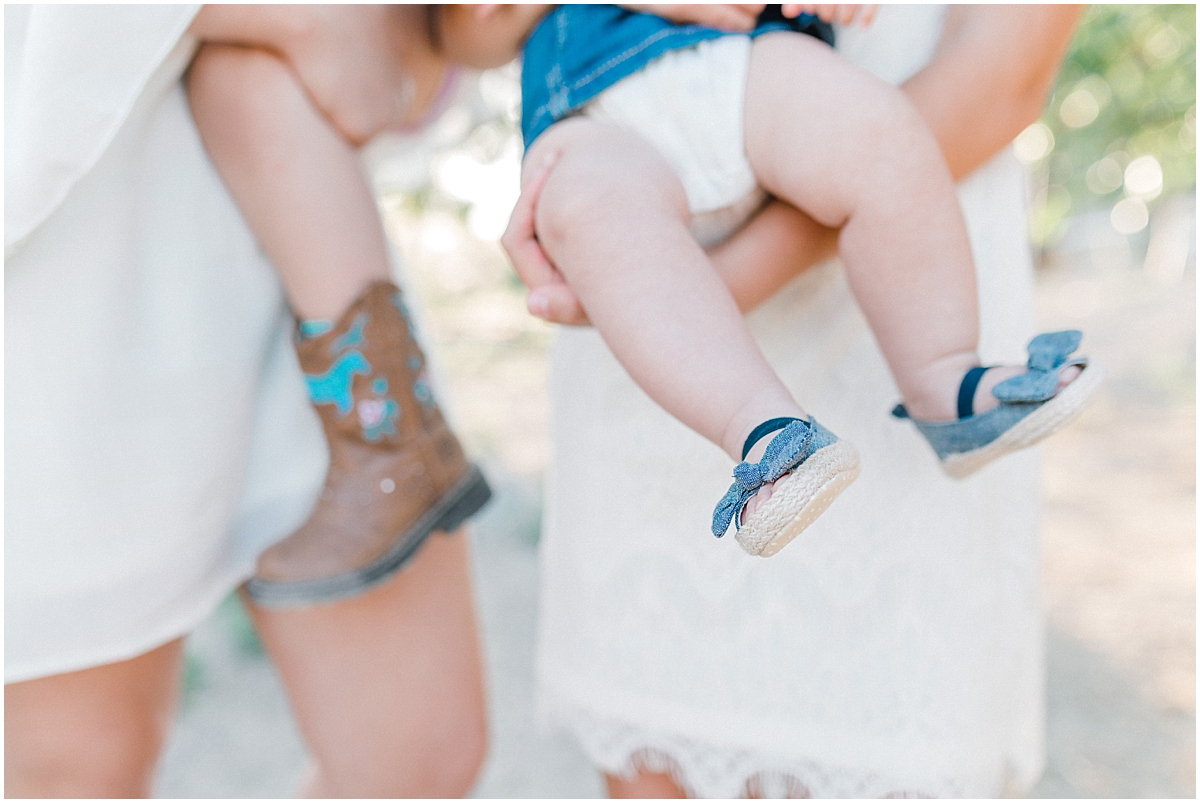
pixel 578 51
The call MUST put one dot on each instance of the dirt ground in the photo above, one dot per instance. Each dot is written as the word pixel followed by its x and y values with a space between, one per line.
pixel 1119 528
pixel 1119 536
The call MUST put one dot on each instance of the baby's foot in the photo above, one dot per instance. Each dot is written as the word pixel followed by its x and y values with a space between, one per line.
pixel 765 492
pixel 935 395
pixel 984 400
pixel 760 498
pixel 780 489
pixel 1038 399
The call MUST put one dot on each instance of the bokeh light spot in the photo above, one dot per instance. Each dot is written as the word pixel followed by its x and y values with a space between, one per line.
pixel 1079 108
pixel 1034 143
pixel 1105 176
pixel 1144 178
pixel 1129 216
pixel 1163 44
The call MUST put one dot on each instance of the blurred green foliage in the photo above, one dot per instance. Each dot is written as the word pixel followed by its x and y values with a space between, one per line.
pixel 1126 91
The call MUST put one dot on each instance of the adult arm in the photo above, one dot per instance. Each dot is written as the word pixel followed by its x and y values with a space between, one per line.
pixel 990 76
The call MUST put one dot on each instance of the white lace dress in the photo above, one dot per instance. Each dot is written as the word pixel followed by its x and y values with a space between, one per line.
pixel 895 648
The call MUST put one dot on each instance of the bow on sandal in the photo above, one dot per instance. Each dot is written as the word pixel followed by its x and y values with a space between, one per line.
pixel 820 465
pixel 1031 407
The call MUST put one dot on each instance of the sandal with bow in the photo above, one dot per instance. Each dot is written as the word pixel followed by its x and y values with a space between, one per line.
pixel 821 465
pixel 1031 407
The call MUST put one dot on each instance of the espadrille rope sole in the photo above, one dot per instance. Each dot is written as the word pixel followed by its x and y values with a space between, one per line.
pixel 798 499
pixel 1052 416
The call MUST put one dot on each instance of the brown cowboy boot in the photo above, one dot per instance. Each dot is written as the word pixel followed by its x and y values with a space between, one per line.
pixel 396 472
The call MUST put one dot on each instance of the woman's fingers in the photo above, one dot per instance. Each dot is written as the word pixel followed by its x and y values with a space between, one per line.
pixel 736 17
pixel 556 303
pixel 841 13
pixel 848 13
pixel 520 237
pixel 549 296
pixel 796 9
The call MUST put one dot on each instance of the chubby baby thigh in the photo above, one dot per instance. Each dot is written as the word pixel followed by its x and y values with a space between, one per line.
pixel 818 126
pixel 689 105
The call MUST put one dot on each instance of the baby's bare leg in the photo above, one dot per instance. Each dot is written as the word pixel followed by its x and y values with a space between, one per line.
pixel 613 217
pixel 298 183
pixel 851 151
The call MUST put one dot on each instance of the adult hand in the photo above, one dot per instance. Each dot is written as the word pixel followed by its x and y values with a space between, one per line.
pixel 738 17
pixel 841 13
pixel 550 298
pixel 773 248
pixel 347 57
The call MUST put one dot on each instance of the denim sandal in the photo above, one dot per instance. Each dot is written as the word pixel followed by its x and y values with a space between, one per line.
pixel 821 467
pixel 1031 407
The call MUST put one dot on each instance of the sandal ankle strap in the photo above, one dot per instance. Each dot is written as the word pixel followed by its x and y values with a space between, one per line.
pixel 764 429
pixel 966 390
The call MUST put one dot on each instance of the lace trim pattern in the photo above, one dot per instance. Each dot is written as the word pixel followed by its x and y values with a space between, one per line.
pixel 702 770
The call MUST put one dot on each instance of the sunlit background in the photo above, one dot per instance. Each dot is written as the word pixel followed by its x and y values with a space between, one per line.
pixel 1112 221
pixel 1119 135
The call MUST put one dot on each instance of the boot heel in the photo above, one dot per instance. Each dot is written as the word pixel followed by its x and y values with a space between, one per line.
pixel 464 501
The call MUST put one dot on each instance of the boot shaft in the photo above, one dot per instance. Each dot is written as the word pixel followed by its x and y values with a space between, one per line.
pixel 396 472
pixel 369 382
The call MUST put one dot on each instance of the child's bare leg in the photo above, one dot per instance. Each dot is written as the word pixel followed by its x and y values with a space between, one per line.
pixel 852 152
pixel 298 183
pixel 396 471
pixel 613 217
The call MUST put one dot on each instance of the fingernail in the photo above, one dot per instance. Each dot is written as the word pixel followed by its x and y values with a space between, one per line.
pixel 537 306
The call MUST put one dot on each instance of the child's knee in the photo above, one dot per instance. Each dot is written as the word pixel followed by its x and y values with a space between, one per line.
pixel 241 99
pixel 239 82
pixel 599 177
pixel 565 207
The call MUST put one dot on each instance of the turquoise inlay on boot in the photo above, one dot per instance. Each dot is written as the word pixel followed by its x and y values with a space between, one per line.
pixel 396 474
pixel 334 386
pixel 422 392
pixel 315 328
pixel 353 337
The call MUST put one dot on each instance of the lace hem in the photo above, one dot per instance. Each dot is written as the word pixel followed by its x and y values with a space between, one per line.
pixel 702 770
